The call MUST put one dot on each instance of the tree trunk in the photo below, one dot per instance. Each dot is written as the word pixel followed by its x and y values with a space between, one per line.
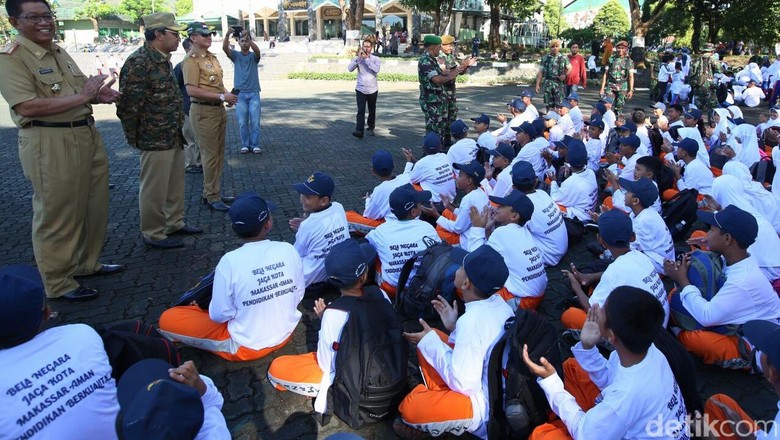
pixel 281 26
pixel 351 24
pixel 446 15
pixel 697 23
pixel 360 7
pixel 437 20
pixel 312 18
pixel 494 39
pixel 95 26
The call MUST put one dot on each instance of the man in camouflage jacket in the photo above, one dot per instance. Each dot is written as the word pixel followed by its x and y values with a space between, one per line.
pixel 554 69
pixel 152 117
pixel 447 61
pixel 701 79
pixel 619 77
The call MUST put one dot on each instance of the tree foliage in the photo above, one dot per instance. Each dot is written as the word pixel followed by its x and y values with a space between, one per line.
pixel 643 18
pixel 611 20
pixel 553 17
pixel 520 9
pixel 135 9
pixel 675 19
pixel 440 9
pixel 753 20
pixel 183 7
pixel 95 10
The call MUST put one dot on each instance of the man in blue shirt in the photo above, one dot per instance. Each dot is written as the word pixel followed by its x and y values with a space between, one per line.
pixel 245 79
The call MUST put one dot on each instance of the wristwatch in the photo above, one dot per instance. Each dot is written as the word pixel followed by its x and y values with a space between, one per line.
pixel 222 97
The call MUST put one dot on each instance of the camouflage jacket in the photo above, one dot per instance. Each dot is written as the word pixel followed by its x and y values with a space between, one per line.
pixel 702 71
pixel 427 68
pixel 554 66
pixel 618 70
pixel 151 106
pixel 447 62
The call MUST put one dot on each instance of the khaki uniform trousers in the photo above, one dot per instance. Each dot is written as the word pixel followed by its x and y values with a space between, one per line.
pixel 68 170
pixel 191 149
pixel 161 193
pixel 209 124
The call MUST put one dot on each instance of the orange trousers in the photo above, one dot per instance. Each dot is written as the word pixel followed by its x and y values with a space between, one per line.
pixel 527 303
pixel 299 373
pixel 361 225
pixel 450 237
pixel 574 318
pixel 711 347
pixel 192 326
pixel 714 413
pixel 577 382
pixel 434 407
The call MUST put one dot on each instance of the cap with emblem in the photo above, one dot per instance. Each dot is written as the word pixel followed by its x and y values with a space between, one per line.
pixel 318 184
pixel 473 169
pixel 527 128
pixel 643 189
pixel 595 121
pixel 248 214
pixel 447 39
pixel 432 143
pixel 348 261
pixel 504 150
pixel 197 27
pixel 484 267
pixel 482 119
pixel 432 39
pixel 405 198
pixel 162 20
pixel 458 127
pixel 517 104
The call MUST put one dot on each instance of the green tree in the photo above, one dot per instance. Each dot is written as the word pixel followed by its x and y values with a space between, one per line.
pixel 611 20
pixel 95 10
pixel 553 17
pixel 520 9
pixel 440 9
pixel 753 20
pixel 183 7
pixel 135 9
pixel 675 19
pixel 642 18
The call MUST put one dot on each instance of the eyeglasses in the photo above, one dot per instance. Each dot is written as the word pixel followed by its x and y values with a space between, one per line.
pixel 45 18
pixel 168 31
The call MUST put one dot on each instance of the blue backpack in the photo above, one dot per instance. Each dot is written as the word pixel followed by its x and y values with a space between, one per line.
pixel 706 273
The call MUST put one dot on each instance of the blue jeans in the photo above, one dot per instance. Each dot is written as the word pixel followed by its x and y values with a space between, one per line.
pixel 248 114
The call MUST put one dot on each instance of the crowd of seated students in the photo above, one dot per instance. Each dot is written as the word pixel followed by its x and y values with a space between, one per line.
pixel 508 227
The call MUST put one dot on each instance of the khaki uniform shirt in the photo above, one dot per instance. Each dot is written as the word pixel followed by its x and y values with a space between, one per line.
pixel 28 71
pixel 204 71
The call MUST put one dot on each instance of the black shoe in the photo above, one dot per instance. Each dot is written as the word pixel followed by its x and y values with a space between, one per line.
pixel 165 243
pixel 193 169
pixel 219 205
pixel 371 132
pixel 111 186
pixel 81 293
pixel 595 248
pixel 187 230
pixel 358 134
pixel 109 269
pixel 228 199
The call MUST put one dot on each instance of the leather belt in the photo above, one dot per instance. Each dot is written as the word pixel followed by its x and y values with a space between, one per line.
pixel 90 121
pixel 210 104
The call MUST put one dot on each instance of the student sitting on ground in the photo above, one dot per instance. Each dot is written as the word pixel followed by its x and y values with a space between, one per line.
pixel 574 111
pixel 745 295
pixel 485 138
pixel 396 241
pixel 453 397
pixel 35 359
pixel 527 278
pixel 432 172
pixel 565 122
pixel 697 175
pixel 531 147
pixel 759 198
pixel 377 209
pixel 517 109
pixel 610 398
pixel 647 166
pixel 628 268
pixel 454 223
pixel 502 155
pixel 258 285
pixel 652 235
pixel 578 194
pixel 463 149
pixel 595 145
pixel 311 374
pixel 626 156
pixel 546 224
pixel 323 225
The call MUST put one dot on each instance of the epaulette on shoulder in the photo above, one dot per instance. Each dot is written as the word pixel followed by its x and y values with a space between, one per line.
pixel 9 48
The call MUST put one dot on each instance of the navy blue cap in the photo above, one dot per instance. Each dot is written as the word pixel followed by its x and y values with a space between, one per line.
pixel 527 128
pixel 473 169
pixel 517 104
pixel 526 93
pixel 563 104
pixel 628 125
pixel 775 108
pixel 689 145
pixel 382 163
pixel 318 184
pixel 574 96
pixel 523 173
pixel 153 406
pixel 504 150
pixel 765 336
pixel 348 260
pixel 538 124
pixel 577 154
pixel 519 202
pixel 600 107
pixel 615 228
pixel 607 100
pixel 692 113
pixel 404 198
pixel 595 121
pixel 484 267
pixel 248 213
pixel 644 189
pixel 552 115
pixel 736 121
pixel 563 143
pixel 740 224
pixel 631 140
pixel 23 298
pixel 482 119
pixel 458 127
pixel 432 142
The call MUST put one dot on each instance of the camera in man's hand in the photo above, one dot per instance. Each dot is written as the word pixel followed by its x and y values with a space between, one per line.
pixel 237 31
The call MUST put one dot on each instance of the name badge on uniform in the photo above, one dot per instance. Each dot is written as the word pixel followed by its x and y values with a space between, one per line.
pixel 209 66
pixel 44 71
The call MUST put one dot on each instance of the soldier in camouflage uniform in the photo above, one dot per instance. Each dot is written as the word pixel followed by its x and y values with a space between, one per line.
pixel 554 69
pixel 619 76
pixel 152 117
pixel 701 79
pixel 447 61
pixel 433 101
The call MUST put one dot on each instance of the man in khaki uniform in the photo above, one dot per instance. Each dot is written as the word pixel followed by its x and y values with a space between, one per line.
pixel 152 115
pixel 61 152
pixel 203 78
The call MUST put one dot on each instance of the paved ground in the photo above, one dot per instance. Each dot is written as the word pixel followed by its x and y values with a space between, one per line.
pixel 305 127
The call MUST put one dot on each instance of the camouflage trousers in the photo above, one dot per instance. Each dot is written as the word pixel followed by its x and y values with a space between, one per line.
pixel 435 111
pixel 553 92
pixel 452 109
pixel 705 98
pixel 619 92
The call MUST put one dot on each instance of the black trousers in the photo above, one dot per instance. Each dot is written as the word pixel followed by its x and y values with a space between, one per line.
pixel 362 99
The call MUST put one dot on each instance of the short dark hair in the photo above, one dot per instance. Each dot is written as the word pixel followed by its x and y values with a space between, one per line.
pixel 635 316
pixel 186 44
pixel 528 187
pixel 458 136
pixel 652 163
pixel 14 7
pixel 638 116
pixel 151 34
pixel 739 243
pixel 677 107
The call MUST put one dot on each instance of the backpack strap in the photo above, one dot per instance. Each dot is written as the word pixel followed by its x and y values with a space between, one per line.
pixel 495 390
pixel 403 278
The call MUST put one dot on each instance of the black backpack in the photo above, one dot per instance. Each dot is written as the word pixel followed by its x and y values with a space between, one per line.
pixel 435 276
pixel 520 407
pixel 679 212
pixel 127 342
pixel 763 171
pixel 371 361
pixel 200 293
